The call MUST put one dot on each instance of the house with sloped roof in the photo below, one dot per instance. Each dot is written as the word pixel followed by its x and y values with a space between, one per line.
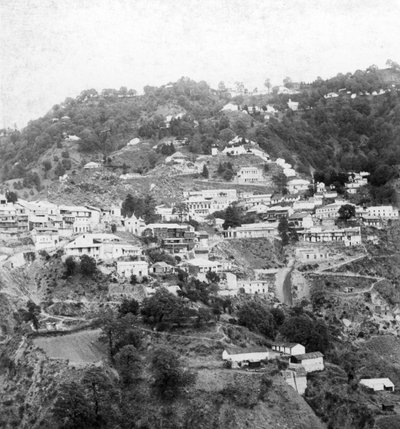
pixel 288 348
pixel 249 354
pixel 378 384
pixel 161 268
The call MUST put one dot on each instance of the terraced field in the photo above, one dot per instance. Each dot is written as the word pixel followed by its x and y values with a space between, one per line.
pixel 79 348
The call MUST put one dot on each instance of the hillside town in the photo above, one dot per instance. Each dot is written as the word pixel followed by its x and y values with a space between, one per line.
pixel 199 215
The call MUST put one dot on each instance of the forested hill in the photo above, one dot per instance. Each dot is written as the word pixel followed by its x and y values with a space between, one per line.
pixel 349 122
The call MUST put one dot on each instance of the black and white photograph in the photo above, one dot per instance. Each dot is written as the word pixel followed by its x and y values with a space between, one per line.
pixel 199 214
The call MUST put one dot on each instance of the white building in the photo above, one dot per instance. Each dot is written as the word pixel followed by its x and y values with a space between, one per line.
pixel 252 230
pixel 45 238
pixel 101 246
pixel 202 203
pixel 204 265
pixel 303 205
pixel 235 150
pixel 297 185
pixel 248 175
pixel 311 362
pixel 92 165
pixel 293 105
pixel 378 384
pixel 230 107
pixel 254 287
pixel 134 225
pixel 349 236
pixel 291 349
pixel 137 268
pixel 383 212
pixel 312 254
pixel 254 354
pixel 330 211
pixel 133 142
pixel 289 172
pixel 254 200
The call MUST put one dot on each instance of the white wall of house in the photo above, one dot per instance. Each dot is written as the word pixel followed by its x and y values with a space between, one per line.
pixel 312 365
pixel 246 356
pixel 46 241
pixel 384 212
pixel 293 350
pixel 129 268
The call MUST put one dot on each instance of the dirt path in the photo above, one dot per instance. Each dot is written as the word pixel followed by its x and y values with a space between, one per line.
pixel 352 275
pixel 224 337
pixel 283 283
pixel 349 261
pixel 358 292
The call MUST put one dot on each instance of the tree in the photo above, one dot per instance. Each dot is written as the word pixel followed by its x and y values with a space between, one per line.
pixel 267 84
pixel 128 364
pixel 128 306
pixel 88 266
pixel 257 316
pixel 382 174
pixel 283 230
pixel 70 265
pixel 32 314
pixel 72 409
pixel 278 315
pixel 280 181
pixel 232 218
pixel 46 167
pixel 169 376
pixel 205 173
pixel 212 277
pixel 221 87
pixel 119 332
pixel 287 82
pixel 165 308
pixel 346 212
pixel 101 394
pixel 226 135
pixel 12 197
pixel 181 209
pixel 59 170
pixel 310 333
pixel 392 64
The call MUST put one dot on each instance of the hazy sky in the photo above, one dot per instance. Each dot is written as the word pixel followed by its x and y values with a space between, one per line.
pixel 53 49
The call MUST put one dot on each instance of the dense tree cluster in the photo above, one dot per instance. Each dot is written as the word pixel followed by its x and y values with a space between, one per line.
pixel 143 207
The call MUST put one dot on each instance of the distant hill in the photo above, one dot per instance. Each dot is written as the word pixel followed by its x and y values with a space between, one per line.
pixel 349 122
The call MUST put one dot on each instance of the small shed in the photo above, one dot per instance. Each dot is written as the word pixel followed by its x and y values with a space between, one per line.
pixel 133 142
pixel 387 407
pixel 91 165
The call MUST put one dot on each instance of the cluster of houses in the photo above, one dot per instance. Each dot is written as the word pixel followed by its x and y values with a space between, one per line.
pixel 94 231
pixel 299 363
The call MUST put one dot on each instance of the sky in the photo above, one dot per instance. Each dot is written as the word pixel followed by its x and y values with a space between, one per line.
pixel 53 49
